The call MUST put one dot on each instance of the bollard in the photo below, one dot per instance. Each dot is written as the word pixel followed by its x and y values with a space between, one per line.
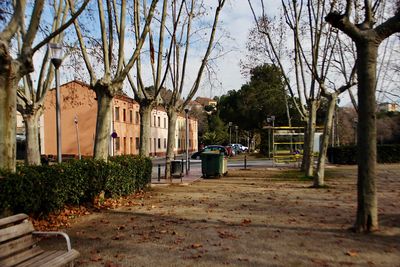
pixel 189 165
pixel 159 172
pixel 245 162
pixel 182 171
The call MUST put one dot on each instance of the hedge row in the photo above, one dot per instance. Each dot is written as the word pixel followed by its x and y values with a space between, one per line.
pixel 39 190
pixel 348 154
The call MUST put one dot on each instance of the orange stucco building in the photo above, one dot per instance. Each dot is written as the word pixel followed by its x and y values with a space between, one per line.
pixel 78 122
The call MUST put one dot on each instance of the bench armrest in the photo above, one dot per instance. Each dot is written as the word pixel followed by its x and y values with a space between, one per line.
pixel 66 237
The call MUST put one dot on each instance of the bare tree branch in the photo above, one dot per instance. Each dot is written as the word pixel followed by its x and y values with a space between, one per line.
pixel 15 22
pixel 62 28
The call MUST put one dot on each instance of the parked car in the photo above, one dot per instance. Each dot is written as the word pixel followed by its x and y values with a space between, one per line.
pixel 236 148
pixel 219 148
pixel 231 151
pixel 240 147
pixel 244 148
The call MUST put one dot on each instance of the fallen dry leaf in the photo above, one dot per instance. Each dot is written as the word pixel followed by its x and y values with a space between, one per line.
pixel 111 264
pixel 96 257
pixel 351 253
pixel 196 245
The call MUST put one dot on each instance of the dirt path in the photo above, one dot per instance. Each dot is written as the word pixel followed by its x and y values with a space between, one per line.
pixel 249 218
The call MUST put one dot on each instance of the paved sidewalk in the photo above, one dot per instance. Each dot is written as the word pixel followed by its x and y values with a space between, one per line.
pixel 193 176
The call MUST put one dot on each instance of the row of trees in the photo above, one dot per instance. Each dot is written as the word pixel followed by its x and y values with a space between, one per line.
pixel 309 45
pixel 117 43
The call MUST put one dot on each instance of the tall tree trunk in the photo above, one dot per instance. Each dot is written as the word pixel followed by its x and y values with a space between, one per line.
pixel 172 117
pixel 305 148
pixel 309 162
pixel 320 172
pixel 103 124
pixel 367 209
pixel 145 120
pixel 32 156
pixel 8 108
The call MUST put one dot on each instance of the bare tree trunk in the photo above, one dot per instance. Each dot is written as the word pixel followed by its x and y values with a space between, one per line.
pixel 367 209
pixel 305 151
pixel 309 161
pixel 320 172
pixel 145 119
pixel 32 156
pixel 172 117
pixel 103 124
pixel 8 107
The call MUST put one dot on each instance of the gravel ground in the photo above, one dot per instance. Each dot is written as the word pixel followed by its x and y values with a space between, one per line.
pixel 261 217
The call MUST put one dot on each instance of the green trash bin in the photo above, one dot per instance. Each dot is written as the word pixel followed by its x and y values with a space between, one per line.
pixel 213 164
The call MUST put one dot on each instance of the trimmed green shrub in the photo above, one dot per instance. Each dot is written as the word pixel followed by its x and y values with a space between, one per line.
pixel 39 190
pixel 348 154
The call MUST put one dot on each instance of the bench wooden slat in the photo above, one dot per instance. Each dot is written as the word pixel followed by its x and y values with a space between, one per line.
pixel 16 231
pixel 13 219
pixel 15 246
pixel 61 260
pixel 42 258
pixel 18 247
pixel 20 257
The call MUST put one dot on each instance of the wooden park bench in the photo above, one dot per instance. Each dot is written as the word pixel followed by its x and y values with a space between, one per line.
pixel 18 245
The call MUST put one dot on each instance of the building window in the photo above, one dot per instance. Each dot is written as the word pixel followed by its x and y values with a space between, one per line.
pixel 154 120
pixel 131 145
pixel 117 144
pixel 159 143
pixel 137 143
pixel 124 115
pixel 159 121
pixel 165 122
pixel 137 119
pixel 179 143
pixel 125 150
pixel 165 142
pixel 130 116
pixel 116 113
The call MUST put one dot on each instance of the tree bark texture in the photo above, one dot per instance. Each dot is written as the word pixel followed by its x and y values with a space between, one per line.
pixel 145 121
pixel 32 156
pixel 367 208
pixel 172 117
pixel 309 161
pixel 9 79
pixel 103 124
pixel 319 177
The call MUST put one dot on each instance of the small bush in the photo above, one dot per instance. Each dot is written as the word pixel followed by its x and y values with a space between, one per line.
pixel 39 190
pixel 348 154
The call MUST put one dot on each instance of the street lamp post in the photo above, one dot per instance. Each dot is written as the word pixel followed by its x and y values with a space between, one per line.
pixel 236 130
pixel 77 136
pixel 187 138
pixel 230 132
pixel 56 59
pixel 272 119
pixel 355 123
